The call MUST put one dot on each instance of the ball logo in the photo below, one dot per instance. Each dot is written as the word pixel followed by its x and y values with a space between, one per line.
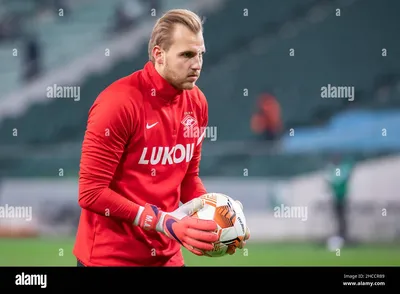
pixel 167 155
pixel 241 224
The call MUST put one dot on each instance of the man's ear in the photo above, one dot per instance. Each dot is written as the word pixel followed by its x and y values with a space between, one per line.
pixel 158 55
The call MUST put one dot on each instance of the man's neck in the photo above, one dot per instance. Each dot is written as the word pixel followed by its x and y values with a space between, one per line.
pixel 159 70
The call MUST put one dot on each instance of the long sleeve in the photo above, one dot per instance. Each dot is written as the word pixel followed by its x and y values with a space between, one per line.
pixel 192 186
pixel 108 131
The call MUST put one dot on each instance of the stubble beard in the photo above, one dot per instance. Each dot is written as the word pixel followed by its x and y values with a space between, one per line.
pixel 174 80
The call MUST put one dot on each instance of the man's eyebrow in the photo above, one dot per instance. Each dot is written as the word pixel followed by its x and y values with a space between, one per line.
pixel 193 51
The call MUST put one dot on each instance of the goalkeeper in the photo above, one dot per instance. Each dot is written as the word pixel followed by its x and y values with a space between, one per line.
pixel 138 161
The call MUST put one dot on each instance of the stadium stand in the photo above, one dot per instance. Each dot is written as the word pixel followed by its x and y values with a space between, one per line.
pixel 254 56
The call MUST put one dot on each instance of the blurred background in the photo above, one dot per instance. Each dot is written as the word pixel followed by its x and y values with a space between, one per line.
pixel 304 106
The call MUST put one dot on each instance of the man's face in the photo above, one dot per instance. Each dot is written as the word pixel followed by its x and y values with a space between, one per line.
pixel 181 64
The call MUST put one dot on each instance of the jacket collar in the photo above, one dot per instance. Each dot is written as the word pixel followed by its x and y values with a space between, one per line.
pixel 163 89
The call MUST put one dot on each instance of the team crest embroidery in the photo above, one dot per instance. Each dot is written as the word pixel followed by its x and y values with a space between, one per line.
pixel 189 121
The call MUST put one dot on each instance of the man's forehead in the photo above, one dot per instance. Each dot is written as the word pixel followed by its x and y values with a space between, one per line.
pixel 189 46
pixel 187 40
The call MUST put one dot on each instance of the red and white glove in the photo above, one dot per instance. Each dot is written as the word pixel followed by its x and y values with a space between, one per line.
pixel 192 233
pixel 242 244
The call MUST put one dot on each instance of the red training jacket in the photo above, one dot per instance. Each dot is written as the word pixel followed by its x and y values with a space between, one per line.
pixel 142 145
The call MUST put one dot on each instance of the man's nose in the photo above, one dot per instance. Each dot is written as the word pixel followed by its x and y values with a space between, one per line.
pixel 196 66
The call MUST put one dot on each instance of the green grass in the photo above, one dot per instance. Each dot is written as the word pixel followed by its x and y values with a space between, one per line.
pixel 57 252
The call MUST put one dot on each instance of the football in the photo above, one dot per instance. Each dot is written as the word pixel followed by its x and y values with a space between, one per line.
pixel 229 216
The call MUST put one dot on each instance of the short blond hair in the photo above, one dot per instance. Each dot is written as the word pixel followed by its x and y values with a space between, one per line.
pixel 164 28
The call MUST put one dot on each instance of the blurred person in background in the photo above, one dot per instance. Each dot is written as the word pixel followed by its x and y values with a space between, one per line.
pixel 340 171
pixel 266 122
pixel 32 58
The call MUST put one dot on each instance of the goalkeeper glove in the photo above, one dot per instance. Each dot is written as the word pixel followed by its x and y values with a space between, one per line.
pixel 192 233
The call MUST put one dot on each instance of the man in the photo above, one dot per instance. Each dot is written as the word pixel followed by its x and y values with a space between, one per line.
pixel 340 172
pixel 137 163
pixel 267 120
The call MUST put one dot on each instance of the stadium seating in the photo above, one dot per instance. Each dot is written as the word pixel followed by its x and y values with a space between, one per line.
pixel 61 39
pixel 93 85
pixel 250 54
pixel 296 81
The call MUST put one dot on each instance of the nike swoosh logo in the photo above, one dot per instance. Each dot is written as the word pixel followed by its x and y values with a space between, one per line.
pixel 150 126
pixel 168 224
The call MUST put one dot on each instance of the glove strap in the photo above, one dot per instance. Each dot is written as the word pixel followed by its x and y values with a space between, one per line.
pixel 150 217
pixel 160 223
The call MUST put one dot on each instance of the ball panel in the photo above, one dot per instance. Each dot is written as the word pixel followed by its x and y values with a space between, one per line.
pixel 206 213
pixel 222 199
pixel 237 207
pixel 235 243
pixel 240 224
pixel 219 250
pixel 225 216
pixel 227 235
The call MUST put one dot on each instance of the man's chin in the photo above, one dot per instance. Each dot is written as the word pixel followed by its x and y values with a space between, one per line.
pixel 188 85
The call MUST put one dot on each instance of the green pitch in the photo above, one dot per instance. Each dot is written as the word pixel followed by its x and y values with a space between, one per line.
pixel 57 252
